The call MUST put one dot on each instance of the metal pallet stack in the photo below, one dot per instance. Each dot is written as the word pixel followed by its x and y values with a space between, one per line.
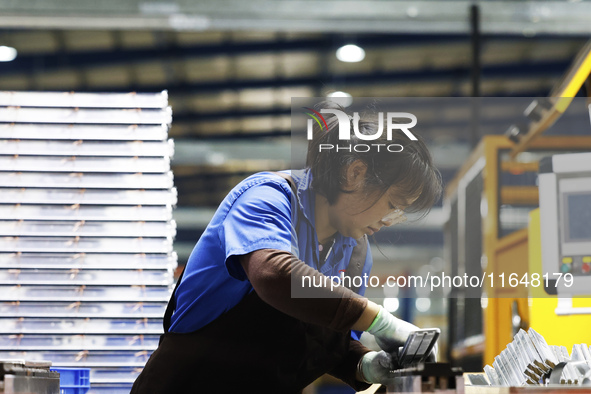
pixel 86 230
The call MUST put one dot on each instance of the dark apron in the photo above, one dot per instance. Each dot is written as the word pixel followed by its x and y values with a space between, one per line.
pixel 253 347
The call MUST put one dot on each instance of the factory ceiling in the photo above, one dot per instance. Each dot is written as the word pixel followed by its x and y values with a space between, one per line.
pixel 383 16
pixel 229 90
pixel 232 67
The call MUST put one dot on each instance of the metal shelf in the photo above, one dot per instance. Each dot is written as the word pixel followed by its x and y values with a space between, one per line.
pixel 20 228
pixel 88 260
pixel 86 230
pixel 85 164
pixel 84 132
pixel 87 148
pixel 86 181
pixel 50 292
pixel 79 326
pixel 85 245
pixel 85 212
pixel 68 196
pixel 134 116
pixel 76 277
pixel 57 310
pixel 84 100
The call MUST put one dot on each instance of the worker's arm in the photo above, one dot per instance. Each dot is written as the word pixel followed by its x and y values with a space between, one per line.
pixel 272 273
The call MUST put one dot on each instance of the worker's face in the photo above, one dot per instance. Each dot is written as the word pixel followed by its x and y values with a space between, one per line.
pixel 359 212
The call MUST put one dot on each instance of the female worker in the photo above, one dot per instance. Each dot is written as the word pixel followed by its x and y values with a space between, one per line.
pixel 236 325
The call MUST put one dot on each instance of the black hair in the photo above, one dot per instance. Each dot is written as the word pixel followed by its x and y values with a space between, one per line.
pixel 411 171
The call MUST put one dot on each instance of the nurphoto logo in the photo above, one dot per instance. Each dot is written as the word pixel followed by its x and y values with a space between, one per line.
pixel 345 122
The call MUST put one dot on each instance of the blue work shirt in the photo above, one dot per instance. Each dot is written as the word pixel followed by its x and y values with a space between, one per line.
pixel 255 215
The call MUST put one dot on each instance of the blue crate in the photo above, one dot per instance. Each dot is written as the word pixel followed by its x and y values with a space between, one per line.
pixel 74 380
pixel 110 388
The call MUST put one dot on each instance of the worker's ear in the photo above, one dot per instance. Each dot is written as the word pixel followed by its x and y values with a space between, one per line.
pixel 355 175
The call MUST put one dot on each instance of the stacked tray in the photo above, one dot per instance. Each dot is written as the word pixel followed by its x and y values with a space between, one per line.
pixel 86 230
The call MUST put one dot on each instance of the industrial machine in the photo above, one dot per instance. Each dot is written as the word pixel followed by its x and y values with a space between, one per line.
pixel 427 378
pixel 494 226
pixel 559 245
pixel 565 216
pixel 490 228
pixel 20 376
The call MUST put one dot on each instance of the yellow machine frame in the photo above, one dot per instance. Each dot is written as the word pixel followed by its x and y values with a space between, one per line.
pixel 510 250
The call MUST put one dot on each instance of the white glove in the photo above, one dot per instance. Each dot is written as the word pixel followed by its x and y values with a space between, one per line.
pixel 375 367
pixel 390 332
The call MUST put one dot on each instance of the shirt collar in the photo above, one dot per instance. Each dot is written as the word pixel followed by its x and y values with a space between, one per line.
pixel 307 201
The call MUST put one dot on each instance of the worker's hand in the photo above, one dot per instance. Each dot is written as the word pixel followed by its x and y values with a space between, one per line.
pixel 390 332
pixel 375 367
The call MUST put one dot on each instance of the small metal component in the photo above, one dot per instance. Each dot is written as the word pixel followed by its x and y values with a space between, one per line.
pixel 514 133
pixel 418 346
pixel 528 360
pixel 427 377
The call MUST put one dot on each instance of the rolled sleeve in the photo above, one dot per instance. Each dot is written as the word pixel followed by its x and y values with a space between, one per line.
pixel 260 218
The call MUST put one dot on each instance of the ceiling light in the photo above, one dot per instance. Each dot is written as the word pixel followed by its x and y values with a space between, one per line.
pixel 7 54
pixel 344 99
pixel 350 53
pixel 423 304
pixel 391 304
pixel 484 302
pixel 412 12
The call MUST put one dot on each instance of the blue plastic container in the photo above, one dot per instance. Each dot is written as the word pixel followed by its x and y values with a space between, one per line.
pixel 73 380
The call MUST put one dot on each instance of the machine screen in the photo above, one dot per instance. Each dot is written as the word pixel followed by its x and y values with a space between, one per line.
pixel 578 217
